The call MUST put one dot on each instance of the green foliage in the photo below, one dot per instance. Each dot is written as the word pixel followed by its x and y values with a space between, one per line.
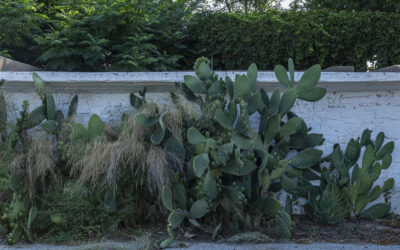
pixel 312 37
pixel 354 181
pixel 226 156
pixel 354 5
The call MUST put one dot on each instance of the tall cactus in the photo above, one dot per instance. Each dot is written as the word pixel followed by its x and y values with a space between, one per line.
pixel 232 165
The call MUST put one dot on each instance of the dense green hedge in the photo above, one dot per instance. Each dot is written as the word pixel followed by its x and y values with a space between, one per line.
pixel 311 37
pixel 134 36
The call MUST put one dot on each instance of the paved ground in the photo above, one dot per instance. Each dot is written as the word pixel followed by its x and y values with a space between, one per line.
pixel 205 246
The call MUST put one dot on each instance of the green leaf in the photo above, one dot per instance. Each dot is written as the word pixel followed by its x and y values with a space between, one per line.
pixel 312 94
pixel 50 106
pixel 242 87
pixel 287 101
pixel 288 185
pixel 374 194
pixel 252 76
pixel 204 71
pixel 176 217
pixel 352 153
pixel 198 209
pixel 291 71
pixel 280 170
pixel 310 78
pixel 386 161
pixel 200 164
pixel 376 211
pixel 176 147
pixel 379 141
pixel 388 185
pixel 180 195
pixel 95 127
pixel 194 84
pixel 195 137
pixel 223 119
pixel 368 157
pixel 281 75
pixel 145 121
pixel 158 136
pixel 241 141
pixel 166 198
pixel 272 128
pixel 292 126
pixel 387 149
pixel 306 158
pixel 275 101
pixel 210 186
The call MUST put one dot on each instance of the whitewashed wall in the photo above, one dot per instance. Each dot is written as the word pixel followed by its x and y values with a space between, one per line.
pixel 354 101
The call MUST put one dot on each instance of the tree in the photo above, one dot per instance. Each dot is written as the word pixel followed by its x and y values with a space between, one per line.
pixel 247 6
pixel 355 5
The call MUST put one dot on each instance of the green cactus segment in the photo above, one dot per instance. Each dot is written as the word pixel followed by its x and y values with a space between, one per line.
pixel 95 127
pixel 50 106
pixel 40 86
pixel 195 137
pixel 166 198
pixel 291 70
pixel 204 71
pixel 374 194
pixel 79 133
pixel 388 185
pixel 376 211
pixel 285 224
pixel 173 145
pixel 280 170
pixel 282 76
pixel 200 164
pixel 252 76
pixel 34 118
pixel 287 101
pixel 50 126
pixel 275 101
pixel 180 195
pixel 229 86
pixel 288 185
pixel 59 117
pixel 176 218
pixel 73 106
pixel 364 185
pixel 241 87
pixel 368 157
pixel 224 153
pixel 32 216
pixel 352 153
pixel 241 141
pixel 158 136
pixel 310 78
pixel 194 84
pixel 312 94
pixel 223 119
pixel 272 129
pixel 386 161
pixel 271 207
pixel 306 158
pixel 292 126
pixel 3 118
pixel 239 168
pixel 375 171
pixel 254 103
pixel 210 186
pixel 198 209
pixel 379 141
pixel 146 121
pixel 387 149
pixel 365 137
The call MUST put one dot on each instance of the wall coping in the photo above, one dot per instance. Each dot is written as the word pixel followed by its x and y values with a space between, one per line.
pixel 123 82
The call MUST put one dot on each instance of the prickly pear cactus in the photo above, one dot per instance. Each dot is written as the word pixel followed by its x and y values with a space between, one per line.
pixel 230 164
pixel 356 174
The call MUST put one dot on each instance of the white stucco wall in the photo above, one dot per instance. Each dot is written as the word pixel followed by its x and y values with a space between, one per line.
pixel 341 115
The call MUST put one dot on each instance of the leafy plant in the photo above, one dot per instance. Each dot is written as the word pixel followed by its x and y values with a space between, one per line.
pixel 232 167
pixel 356 182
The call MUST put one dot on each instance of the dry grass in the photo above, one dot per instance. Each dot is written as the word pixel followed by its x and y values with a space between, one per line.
pixel 98 162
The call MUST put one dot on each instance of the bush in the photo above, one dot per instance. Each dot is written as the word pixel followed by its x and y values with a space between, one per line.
pixel 313 37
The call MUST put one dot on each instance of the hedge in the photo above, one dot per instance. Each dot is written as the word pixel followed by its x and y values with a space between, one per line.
pixel 175 37
pixel 324 37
